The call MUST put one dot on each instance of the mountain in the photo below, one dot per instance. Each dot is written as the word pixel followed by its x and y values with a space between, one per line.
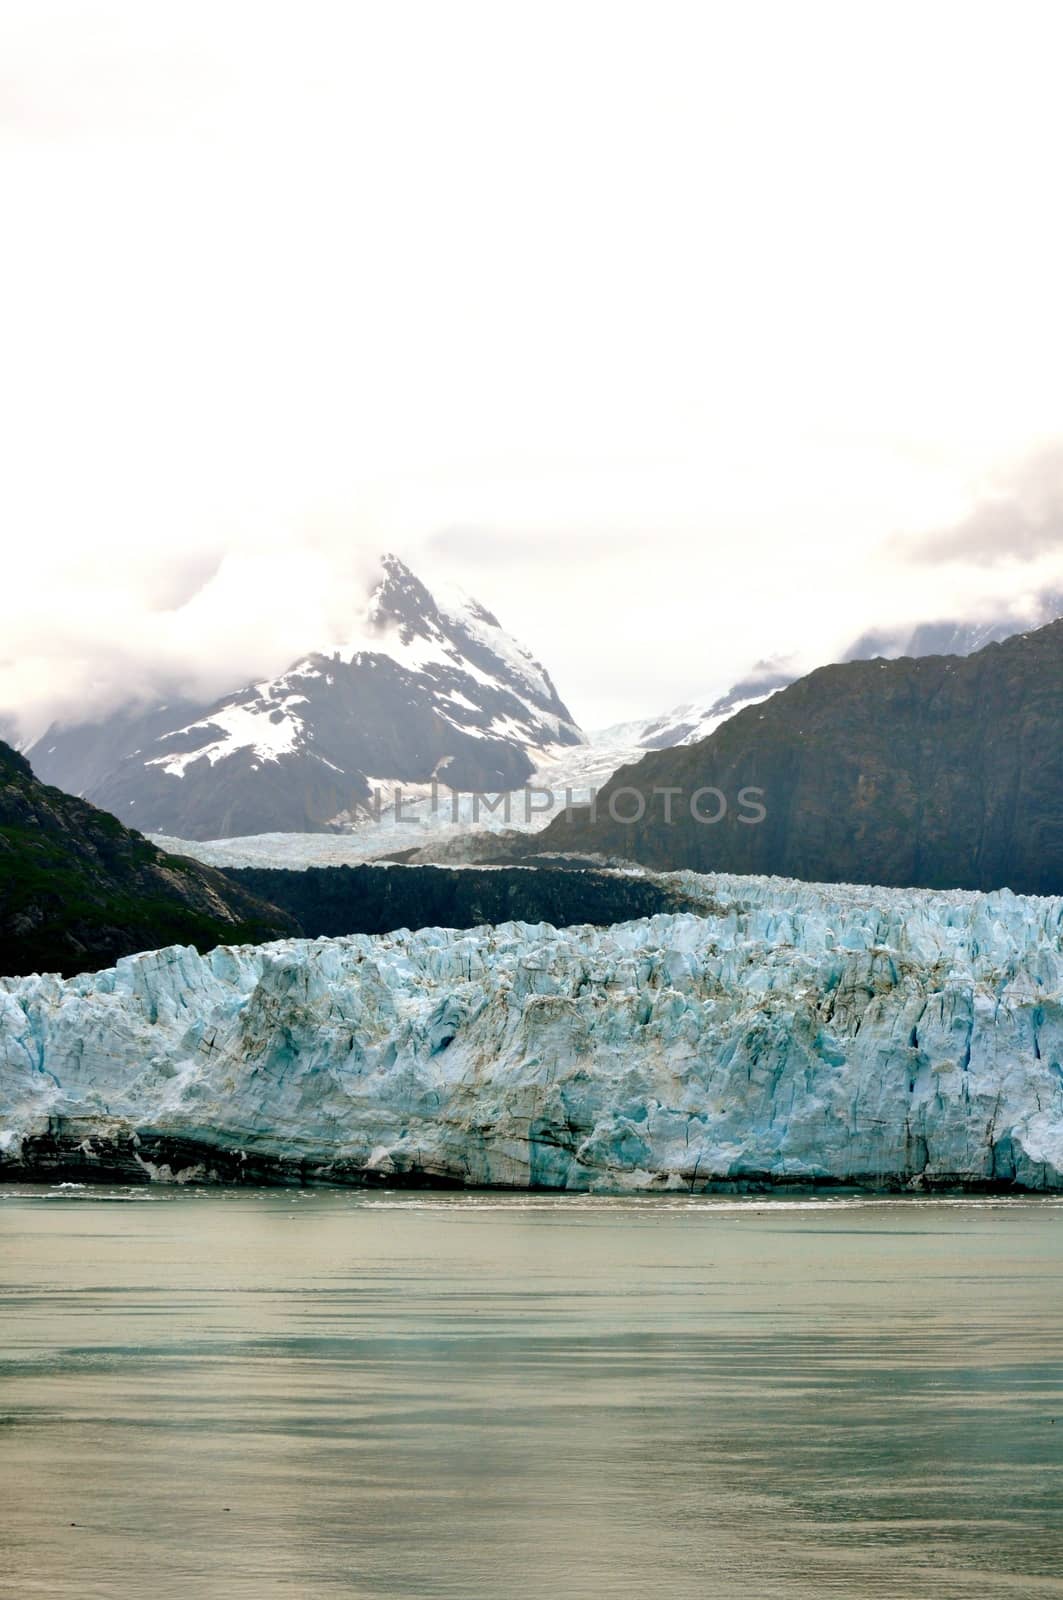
pixel 429 686
pixel 697 719
pixel 952 637
pixel 686 724
pixel 430 830
pixel 786 1034
pixel 81 757
pixel 78 890
pixel 942 771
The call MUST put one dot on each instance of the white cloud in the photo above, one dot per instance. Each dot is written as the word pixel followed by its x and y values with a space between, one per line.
pixel 1018 519
pixel 689 310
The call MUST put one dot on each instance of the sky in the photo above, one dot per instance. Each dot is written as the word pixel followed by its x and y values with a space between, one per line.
pixel 683 336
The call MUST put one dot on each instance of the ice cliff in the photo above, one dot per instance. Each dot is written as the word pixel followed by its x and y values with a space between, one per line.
pixel 791 1033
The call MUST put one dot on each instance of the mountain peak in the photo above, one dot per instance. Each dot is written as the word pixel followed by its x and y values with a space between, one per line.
pixel 428 682
pixel 399 599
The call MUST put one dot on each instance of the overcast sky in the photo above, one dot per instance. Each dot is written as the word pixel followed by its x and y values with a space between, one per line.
pixel 681 335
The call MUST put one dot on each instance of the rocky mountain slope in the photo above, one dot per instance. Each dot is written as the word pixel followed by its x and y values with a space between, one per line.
pixel 944 772
pixel 429 685
pixel 78 890
pixel 790 1033
pixel 80 758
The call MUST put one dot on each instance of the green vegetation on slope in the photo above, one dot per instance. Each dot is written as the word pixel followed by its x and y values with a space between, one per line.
pixel 78 890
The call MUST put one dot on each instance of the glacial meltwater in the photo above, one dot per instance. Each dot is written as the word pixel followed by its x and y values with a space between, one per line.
pixel 317 1393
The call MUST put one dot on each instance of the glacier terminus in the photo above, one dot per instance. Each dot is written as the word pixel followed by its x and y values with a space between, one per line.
pixel 788 1034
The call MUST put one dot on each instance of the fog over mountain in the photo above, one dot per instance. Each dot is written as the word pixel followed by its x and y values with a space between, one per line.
pixel 421 686
pixel 248 614
pixel 669 386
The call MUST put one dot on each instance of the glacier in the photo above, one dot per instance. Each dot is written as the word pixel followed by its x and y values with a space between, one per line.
pixel 425 816
pixel 789 1034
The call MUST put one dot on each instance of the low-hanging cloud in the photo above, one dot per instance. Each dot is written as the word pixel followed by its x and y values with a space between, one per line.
pixel 658 460
pixel 1019 519
pixel 81 642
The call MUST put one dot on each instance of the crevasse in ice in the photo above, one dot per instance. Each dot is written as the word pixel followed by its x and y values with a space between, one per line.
pixel 791 1032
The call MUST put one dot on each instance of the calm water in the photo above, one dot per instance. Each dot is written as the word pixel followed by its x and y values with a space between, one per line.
pixel 269 1393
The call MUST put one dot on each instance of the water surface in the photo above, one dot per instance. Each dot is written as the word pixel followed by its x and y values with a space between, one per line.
pixel 271 1393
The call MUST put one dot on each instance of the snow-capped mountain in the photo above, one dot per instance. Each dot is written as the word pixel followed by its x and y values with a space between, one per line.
pixel 429 685
pixel 695 719
pixel 440 827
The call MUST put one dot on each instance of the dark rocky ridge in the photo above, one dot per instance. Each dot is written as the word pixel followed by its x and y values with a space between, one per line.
pixel 78 890
pixel 939 772
pixel 331 901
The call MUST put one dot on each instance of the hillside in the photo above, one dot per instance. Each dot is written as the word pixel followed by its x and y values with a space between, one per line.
pixel 78 890
pixel 941 772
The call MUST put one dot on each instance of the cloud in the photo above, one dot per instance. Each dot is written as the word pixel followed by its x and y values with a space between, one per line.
pixel 1019 519
pixel 76 73
pixel 259 268
pixel 489 547
pixel 80 642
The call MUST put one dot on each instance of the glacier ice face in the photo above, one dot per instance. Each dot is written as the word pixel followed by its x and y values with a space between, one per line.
pixel 792 1033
